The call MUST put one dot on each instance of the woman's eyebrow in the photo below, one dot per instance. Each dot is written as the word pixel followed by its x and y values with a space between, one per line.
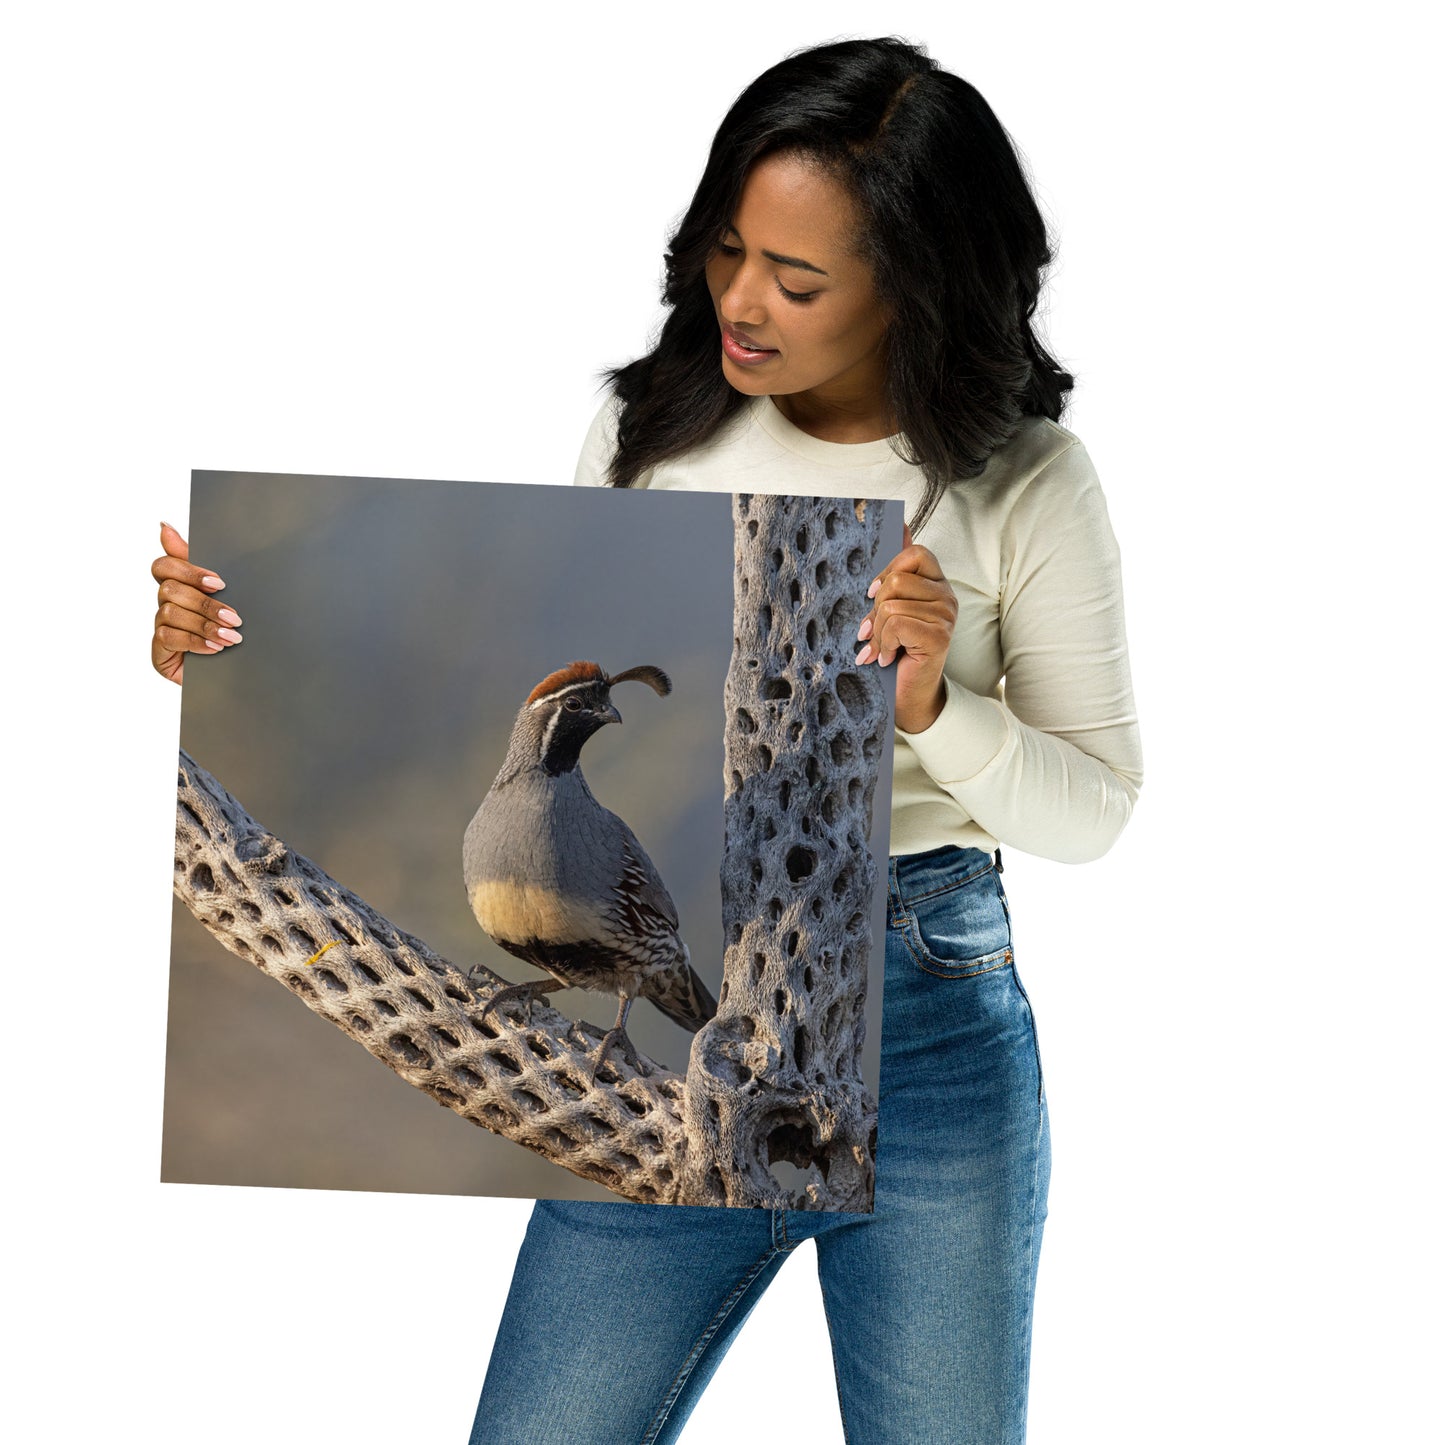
pixel 795 261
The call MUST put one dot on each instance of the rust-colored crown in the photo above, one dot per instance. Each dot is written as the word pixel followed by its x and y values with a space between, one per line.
pixel 574 672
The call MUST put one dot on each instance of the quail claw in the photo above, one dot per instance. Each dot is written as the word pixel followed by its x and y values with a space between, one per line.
pixel 518 990
pixel 611 1037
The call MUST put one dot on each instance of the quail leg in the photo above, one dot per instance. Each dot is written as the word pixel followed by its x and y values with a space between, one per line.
pixel 617 1034
pixel 518 990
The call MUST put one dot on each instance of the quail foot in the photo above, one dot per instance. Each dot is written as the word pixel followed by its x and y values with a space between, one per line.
pixel 558 880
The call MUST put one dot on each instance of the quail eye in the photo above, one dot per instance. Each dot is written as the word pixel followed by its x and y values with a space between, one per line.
pixel 573 704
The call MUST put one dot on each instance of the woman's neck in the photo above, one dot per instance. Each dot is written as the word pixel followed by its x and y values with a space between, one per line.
pixel 837 419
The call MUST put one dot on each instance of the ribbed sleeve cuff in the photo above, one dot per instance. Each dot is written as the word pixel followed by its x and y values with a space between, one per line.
pixel 963 739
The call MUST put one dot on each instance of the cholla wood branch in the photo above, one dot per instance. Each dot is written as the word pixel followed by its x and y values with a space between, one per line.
pixel 776 1075
pixel 416 1012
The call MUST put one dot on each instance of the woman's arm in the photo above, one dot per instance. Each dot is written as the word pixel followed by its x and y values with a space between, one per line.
pixel 1056 766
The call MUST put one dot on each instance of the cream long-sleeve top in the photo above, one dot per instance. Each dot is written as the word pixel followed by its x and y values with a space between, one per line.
pixel 1037 746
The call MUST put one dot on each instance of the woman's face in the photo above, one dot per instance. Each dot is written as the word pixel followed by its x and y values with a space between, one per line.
pixel 796 305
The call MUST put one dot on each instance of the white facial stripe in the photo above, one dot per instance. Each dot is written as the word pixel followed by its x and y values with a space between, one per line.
pixel 551 728
pixel 560 691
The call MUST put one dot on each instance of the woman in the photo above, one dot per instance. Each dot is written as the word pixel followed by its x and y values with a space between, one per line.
pixel 850 299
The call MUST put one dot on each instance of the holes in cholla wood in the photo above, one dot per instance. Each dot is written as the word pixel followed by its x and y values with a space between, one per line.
pixel 804 729
pixel 496 1116
pixel 409 1049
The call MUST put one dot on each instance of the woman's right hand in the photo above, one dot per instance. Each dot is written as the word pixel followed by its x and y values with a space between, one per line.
pixel 189 618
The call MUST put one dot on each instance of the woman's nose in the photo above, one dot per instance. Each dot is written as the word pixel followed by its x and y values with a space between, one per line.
pixel 741 303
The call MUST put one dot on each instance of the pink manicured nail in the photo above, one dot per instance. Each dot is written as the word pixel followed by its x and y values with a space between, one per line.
pixel 863 656
pixel 226 615
pixel 215 646
pixel 214 583
pixel 877 583
pixel 866 628
pixel 229 634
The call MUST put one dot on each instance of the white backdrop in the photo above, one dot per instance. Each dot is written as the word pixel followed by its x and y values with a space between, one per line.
pixel 400 242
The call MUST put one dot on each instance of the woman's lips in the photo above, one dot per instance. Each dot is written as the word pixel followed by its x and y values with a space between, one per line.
pixel 739 347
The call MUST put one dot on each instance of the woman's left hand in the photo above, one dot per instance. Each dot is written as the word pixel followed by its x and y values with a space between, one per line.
pixel 912 618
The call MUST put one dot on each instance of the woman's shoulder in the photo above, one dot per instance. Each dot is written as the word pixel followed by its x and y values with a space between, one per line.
pixel 1042 466
pixel 1037 482
pixel 599 446
pixel 1039 447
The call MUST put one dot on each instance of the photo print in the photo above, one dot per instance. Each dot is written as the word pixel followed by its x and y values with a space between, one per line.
pixel 646 959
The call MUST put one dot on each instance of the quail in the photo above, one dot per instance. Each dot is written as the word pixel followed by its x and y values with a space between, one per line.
pixel 558 880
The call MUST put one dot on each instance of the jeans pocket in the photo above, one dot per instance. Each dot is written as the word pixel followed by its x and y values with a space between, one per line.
pixel 960 930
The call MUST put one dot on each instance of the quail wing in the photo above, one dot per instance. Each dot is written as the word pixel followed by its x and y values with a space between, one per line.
pixel 644 909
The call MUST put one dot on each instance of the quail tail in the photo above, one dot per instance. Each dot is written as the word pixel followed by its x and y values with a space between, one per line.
pixel 682 996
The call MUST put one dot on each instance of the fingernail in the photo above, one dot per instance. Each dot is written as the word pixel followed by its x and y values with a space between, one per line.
pixel 228 616
pixel 877 583
pixel 214 646
pixel 866 628
pixel 863 656
pixel 227 634
pixel 213 583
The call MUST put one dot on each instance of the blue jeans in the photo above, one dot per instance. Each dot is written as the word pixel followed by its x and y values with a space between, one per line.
pixel 619 1313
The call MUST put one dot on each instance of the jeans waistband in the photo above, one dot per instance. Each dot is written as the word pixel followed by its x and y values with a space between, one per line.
pixel 916 875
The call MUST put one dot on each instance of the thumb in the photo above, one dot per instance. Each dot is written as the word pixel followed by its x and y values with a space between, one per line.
pixel 173 544
pixel 907 535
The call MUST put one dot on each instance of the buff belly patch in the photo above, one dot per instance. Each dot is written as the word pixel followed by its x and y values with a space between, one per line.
pixel 520 912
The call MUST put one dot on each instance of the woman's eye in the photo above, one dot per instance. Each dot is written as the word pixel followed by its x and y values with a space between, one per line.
pixel 723 249
pixel 796 295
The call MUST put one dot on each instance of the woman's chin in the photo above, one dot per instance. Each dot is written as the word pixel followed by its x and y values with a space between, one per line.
pixel 740 378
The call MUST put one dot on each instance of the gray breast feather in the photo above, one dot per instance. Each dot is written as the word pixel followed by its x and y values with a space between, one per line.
pixel 553 833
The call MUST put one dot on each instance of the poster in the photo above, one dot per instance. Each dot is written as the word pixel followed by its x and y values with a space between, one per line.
pixel 412 646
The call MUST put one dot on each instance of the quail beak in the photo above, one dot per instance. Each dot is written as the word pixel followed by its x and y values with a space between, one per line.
pixel 608 714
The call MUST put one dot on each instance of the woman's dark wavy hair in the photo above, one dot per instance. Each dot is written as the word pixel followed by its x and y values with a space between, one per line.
pixel 949 226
